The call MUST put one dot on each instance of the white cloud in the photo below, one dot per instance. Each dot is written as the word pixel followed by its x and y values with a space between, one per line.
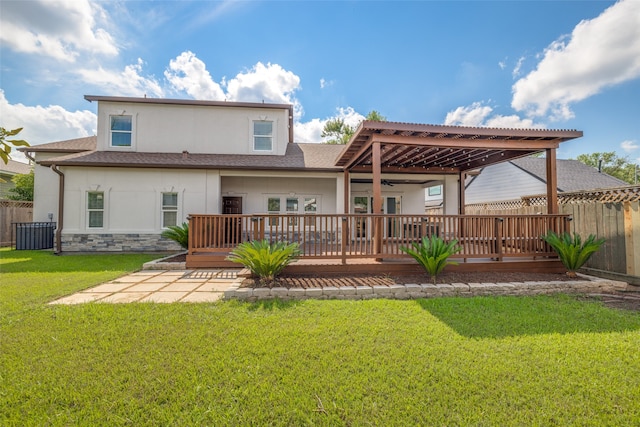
pixel 128 82
pixel 516 70
pixel 472 115
pixel 478 114
pixel 325 83
pixel 629 146
pixel 61 29
pixel 268 83
pixel 261 83
pixel 189 74
pixel 311 131
pixel 46 124
pixel 599 53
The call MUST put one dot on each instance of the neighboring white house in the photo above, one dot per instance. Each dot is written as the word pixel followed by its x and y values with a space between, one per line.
pixel 527 176
pixel 154 162
pixel 7 172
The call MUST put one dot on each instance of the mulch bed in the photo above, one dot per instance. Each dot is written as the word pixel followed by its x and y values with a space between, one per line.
pixel 619 300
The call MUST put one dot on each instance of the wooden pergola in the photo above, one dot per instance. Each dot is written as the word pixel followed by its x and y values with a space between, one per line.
pixel 405 148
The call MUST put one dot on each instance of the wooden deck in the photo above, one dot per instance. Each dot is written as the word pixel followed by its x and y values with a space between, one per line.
pixel 373 243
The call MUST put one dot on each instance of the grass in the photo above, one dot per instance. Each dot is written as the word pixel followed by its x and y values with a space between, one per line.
pixel 545 360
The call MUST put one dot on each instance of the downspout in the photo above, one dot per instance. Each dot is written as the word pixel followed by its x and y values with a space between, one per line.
pixel 291 124
pixel 60 209
pixel 28 156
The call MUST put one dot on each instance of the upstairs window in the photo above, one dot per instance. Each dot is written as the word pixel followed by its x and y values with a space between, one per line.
pixel 169 209
pixel 95 209
pixel 120 131
pixel 262 135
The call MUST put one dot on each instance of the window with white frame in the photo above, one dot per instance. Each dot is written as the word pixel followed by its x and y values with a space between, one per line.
pixel 435 191
pixel 310 205
pixel 288 204
pixel 121 130
pixel 169 209
pixel 95 209
pixel 262 135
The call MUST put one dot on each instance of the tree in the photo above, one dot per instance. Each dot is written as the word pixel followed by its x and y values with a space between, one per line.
pixel 340 133
pixel 24 187
pixel 337 131
pixel 619 167
pixel 6 144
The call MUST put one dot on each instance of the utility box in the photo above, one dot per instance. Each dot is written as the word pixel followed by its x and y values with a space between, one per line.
pixel 34 235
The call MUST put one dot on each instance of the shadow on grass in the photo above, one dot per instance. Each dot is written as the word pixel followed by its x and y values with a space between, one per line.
pixel 499 317
pixel 45 261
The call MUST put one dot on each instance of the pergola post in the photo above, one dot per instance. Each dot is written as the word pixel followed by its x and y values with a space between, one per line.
pixel 347 192
pixel 461 187
pixel 377 197
pixel 552 182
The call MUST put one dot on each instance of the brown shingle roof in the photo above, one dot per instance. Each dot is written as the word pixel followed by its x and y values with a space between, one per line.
pixel 14 167
pixel 87 143
pixel 573 175
pixel 319 157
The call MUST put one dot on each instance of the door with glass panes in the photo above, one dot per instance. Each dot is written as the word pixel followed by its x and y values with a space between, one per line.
pixel 364 205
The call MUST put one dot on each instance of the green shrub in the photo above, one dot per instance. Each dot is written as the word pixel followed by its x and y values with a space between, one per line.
pixel 179 234
pixel 432 254
pixel 265 260
pixel 571 251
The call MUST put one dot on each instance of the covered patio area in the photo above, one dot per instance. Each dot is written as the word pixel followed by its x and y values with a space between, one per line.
pixel 407 152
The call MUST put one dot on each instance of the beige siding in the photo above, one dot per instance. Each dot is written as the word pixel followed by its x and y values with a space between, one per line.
pixel 161 128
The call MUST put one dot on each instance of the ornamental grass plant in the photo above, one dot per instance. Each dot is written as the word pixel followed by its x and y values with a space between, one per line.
pixel 432 253
pixel 573 253
pixel 265 259
pixel 179 234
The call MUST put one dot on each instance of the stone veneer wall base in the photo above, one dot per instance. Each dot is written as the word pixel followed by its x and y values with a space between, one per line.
pixel 412 291
pixel 133 242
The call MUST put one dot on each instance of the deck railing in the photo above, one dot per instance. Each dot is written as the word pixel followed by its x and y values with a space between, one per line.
pixel 378 236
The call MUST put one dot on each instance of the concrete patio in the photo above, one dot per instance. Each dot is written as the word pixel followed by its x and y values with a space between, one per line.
pixel 159 286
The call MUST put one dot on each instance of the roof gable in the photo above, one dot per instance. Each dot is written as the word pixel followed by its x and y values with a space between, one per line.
pixel 573 175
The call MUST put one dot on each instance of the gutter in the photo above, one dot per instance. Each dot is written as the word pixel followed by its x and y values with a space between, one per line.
pixel 58 250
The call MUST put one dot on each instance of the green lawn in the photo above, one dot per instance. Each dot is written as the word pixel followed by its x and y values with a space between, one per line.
pixel 501 361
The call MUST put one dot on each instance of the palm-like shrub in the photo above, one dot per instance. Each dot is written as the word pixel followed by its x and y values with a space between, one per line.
pixel 432 254
pixel 179 234
pixel 265 260
pixel 571 250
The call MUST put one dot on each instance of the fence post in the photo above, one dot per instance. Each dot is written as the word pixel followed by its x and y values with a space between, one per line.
pixel 345 236
pixel 632 237
pixel 498 243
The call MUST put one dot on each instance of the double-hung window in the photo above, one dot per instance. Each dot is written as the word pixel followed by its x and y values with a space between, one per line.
pixel 95 209
pixel 262 135
pixel 121 128
pixel 169 209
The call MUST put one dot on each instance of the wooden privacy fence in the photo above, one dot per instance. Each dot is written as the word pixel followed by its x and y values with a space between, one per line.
pixel 377 236
pixel 613 214
pixel 12 211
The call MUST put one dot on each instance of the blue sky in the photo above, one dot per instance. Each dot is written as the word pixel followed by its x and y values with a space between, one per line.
pixel 535 64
